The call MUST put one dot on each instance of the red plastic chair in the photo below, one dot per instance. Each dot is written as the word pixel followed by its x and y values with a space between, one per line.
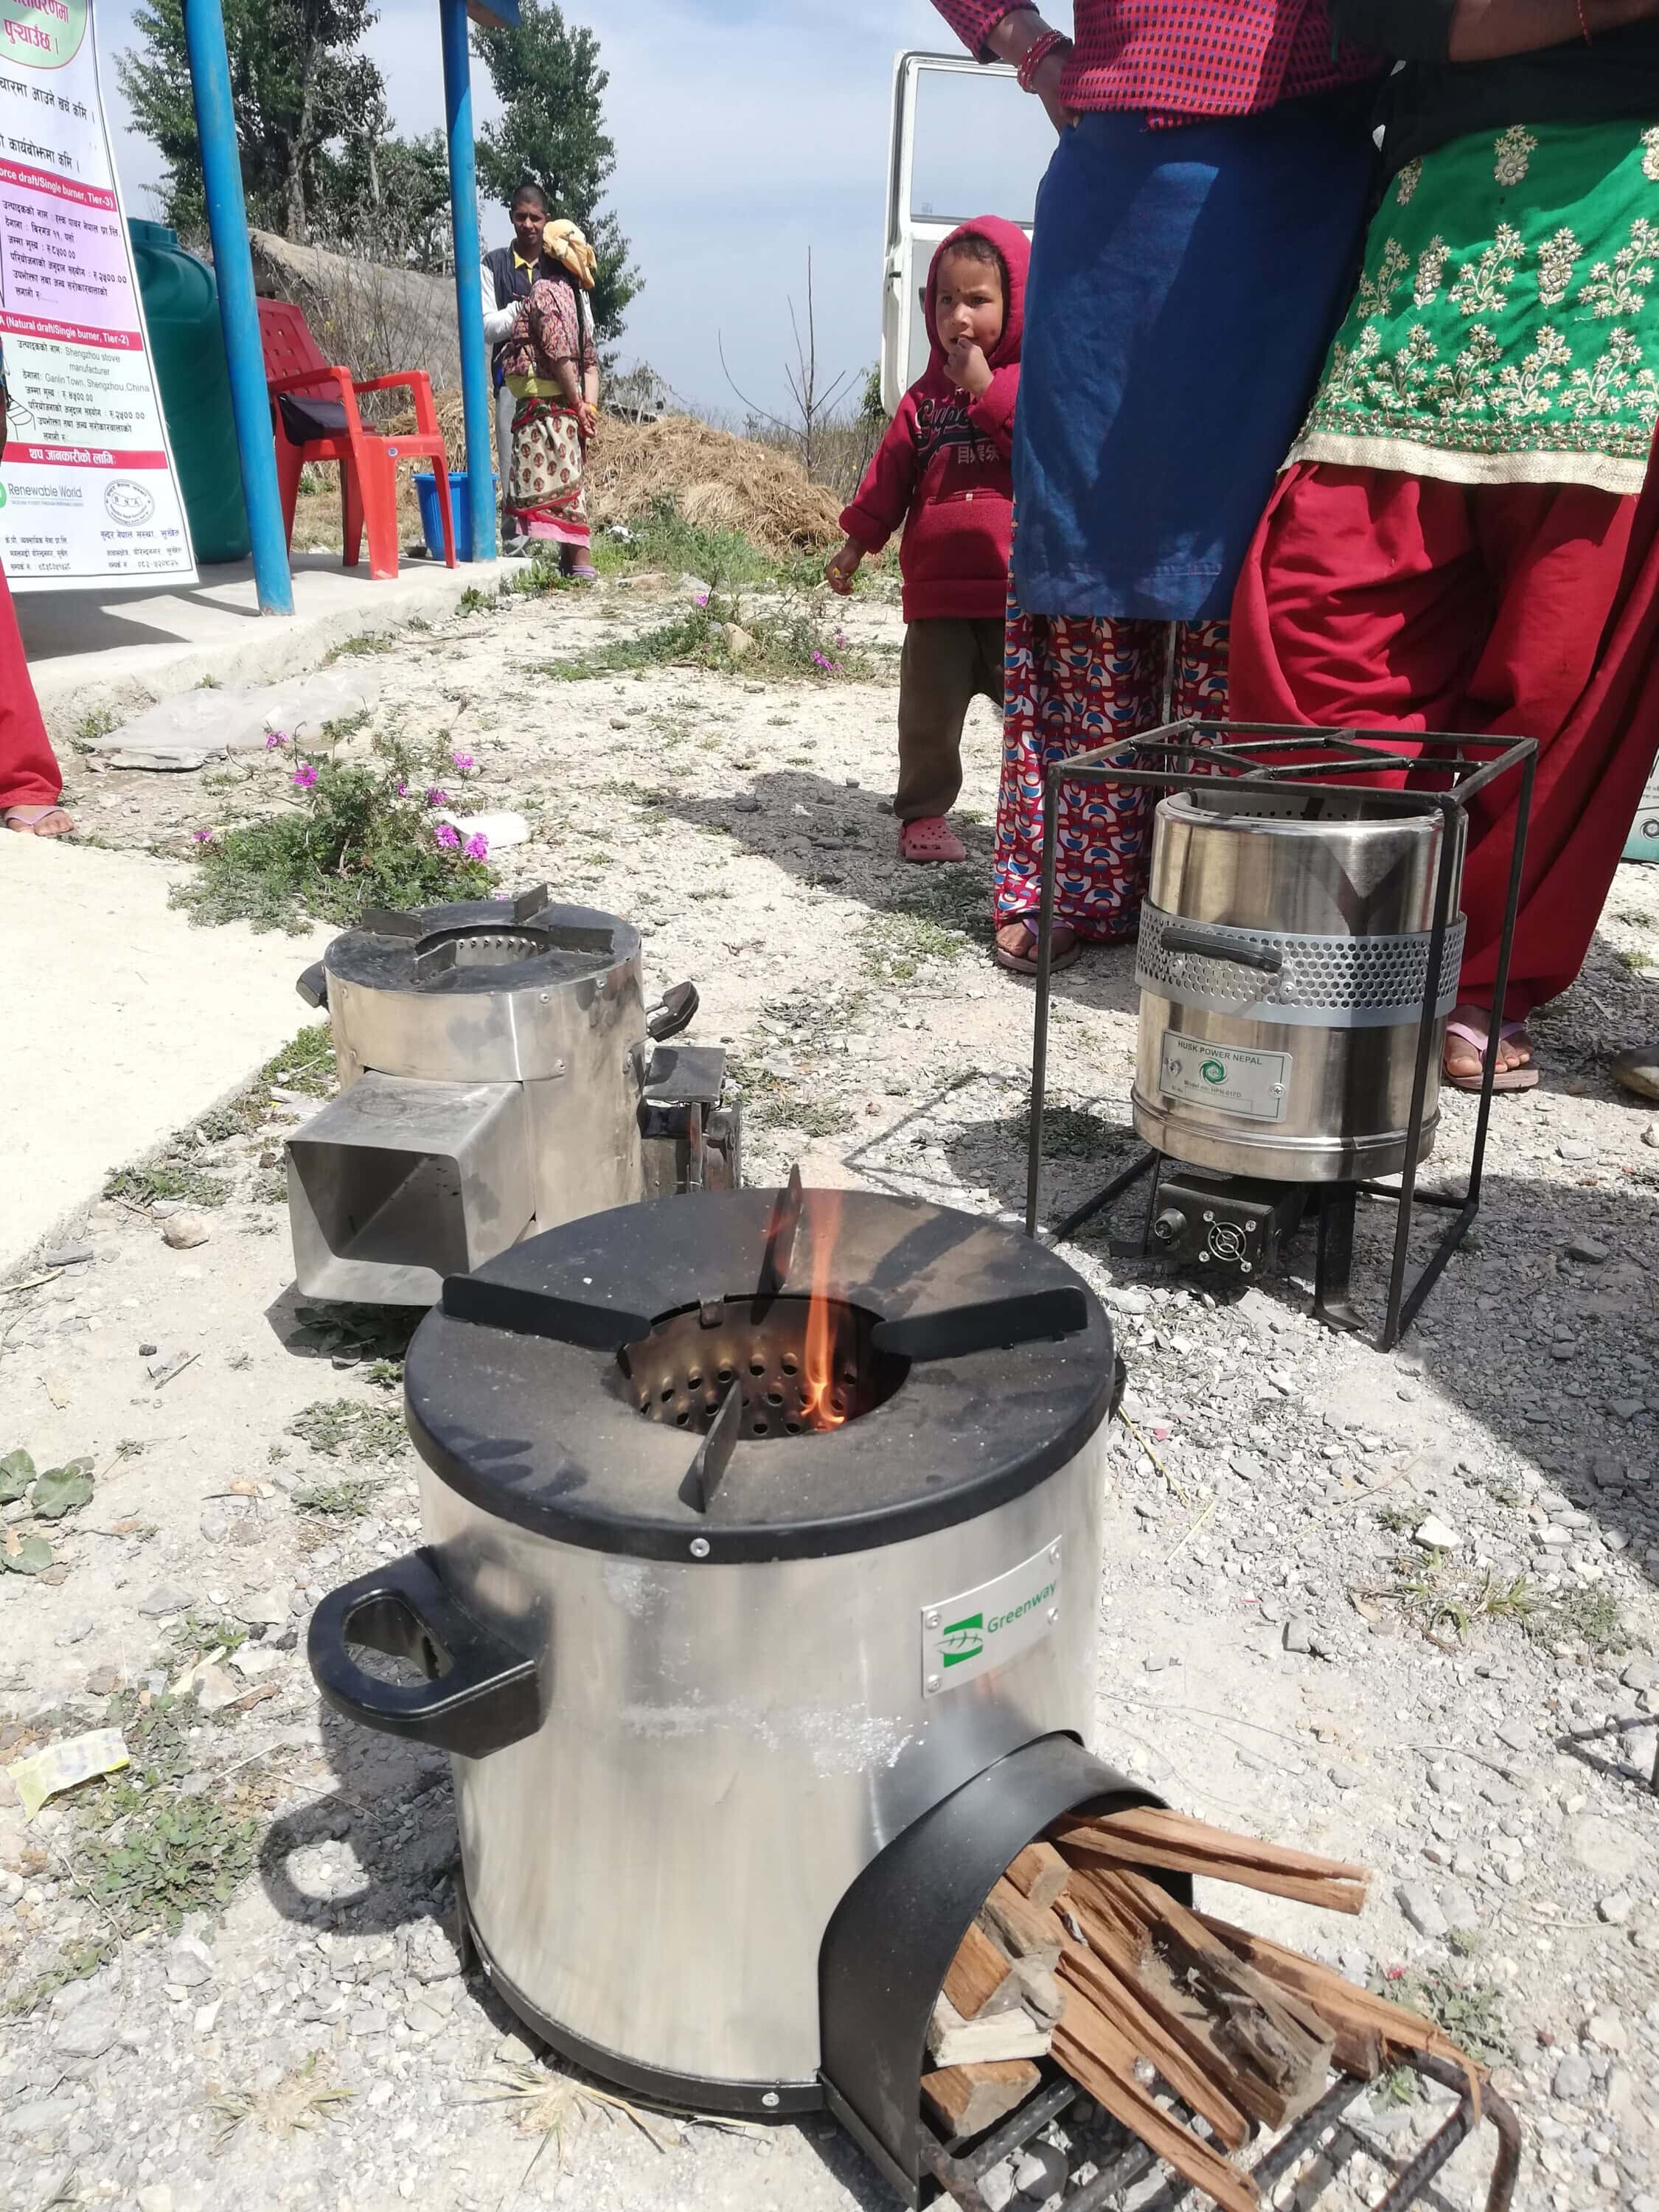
pixel 294 362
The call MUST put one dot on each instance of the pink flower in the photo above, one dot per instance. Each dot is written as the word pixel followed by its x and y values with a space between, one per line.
pixel 276 741
pixel 703 598
pixel 305 777
pixel 447 835
pixel 465 762
pixel 476 847
pixel 204 836
pixel 436 798
pixel 403 791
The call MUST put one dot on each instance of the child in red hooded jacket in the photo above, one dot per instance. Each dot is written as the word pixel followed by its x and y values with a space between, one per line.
pixel 943 470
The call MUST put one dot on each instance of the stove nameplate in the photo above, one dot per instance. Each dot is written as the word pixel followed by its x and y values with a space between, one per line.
pixel 966 1636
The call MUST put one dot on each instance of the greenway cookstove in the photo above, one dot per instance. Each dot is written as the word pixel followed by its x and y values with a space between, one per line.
pixel 1297 958
pixel 500 1073
pixel 758 1608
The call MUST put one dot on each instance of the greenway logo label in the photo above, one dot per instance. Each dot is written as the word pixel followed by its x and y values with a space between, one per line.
pixel 965 1636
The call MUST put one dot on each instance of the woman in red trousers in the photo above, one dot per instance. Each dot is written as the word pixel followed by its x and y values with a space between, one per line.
pixel 1461 541
pixel 30 786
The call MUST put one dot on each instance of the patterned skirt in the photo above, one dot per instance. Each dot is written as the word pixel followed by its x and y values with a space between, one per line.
pixel 1075 683
pixel 545 492
pixel 1507 326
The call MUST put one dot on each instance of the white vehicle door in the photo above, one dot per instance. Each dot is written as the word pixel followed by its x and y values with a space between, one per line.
pixel 966 142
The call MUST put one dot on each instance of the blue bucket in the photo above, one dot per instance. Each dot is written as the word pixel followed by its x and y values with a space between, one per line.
pixel 1643 843
pixel 461 507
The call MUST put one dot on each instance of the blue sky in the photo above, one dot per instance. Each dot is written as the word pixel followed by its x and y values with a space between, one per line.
pixel 746 130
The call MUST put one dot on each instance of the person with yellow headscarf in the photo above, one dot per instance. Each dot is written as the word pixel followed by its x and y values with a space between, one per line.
pixel 552 367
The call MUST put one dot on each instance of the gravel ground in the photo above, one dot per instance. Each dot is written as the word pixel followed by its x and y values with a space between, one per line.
pixel 236 1983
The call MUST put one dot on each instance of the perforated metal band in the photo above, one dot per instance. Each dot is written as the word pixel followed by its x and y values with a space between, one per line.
pixel 1324 982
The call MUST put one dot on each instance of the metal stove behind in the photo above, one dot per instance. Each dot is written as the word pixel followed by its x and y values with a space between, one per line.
pixel 500 1074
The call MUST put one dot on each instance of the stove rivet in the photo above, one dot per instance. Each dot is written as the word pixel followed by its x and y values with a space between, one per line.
pixel 932 1681
pixel 933 1620
pixel 770 2100
pixel 700 1547
pixel 1054 1613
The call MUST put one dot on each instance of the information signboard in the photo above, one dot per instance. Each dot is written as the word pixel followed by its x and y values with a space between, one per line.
pixel 87 492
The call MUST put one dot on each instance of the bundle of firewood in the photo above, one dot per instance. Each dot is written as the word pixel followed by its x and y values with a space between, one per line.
pixel 1079 1956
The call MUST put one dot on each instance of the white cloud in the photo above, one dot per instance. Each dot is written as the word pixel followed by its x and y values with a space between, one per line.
pixel 746 130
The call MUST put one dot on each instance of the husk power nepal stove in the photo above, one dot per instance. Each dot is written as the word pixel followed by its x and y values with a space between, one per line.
pixel 500 1073
pixel 1298 959
pixel 758 1609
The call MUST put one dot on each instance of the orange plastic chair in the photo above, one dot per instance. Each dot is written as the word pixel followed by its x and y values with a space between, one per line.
pixel 294 362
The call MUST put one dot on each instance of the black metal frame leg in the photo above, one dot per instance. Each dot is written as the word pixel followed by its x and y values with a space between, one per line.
pixel 1333 1301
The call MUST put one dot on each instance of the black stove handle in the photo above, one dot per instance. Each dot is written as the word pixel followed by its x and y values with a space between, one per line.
pixel 1193 939
pixel 481 1694
pixel 312 984
pixel 674 1011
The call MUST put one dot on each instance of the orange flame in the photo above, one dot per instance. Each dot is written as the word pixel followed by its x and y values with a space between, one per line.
pixel 823 1402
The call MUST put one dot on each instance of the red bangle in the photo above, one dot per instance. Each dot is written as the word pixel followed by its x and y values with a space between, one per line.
pixel 1044 44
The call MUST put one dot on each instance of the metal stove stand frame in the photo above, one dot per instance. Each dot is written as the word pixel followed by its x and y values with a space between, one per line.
pixel 1192 755
pixel 959 2172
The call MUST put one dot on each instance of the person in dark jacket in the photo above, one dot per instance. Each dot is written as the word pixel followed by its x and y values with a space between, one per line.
pixel 1460 542
pixel 943 472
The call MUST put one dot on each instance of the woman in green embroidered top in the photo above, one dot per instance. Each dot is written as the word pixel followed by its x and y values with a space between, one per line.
pixel 1458 542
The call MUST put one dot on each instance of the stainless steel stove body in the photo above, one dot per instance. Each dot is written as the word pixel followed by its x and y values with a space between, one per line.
pixel 738 1584
pixel 500 1073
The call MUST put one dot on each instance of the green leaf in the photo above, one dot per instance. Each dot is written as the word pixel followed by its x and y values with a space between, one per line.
pixel 63 1490
pixel 31 1556
pixel 16 1473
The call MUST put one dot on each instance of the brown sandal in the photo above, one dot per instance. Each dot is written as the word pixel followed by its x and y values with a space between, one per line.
pixel 1064 948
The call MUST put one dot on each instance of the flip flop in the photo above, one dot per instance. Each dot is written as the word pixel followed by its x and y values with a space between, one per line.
pixel 27 821
pixel 1507 1078
pixel 1025 964
pixel 930 840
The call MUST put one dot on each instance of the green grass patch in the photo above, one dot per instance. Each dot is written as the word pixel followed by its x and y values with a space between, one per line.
pixel 184 1855
pixel 363 835
pixel 361 647
pixel 339 1428
pixel 1470 2012
pixel 794 643
pixel 76 1962
pixel 771 1101
pixel 894 948
pixel 347 1500
pixel 167 1179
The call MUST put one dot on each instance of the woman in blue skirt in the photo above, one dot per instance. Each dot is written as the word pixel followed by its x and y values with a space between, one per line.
pixel 1197 235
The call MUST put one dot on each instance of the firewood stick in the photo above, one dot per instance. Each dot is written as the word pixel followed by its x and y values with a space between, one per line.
pixel 1286 2044
pixel 1022 1932
pixel 1040 1874
pixel 1100 2061
pixel 981 1979
pixel 968 2099
pixel 1205 2091
pixel 1184 2016
pixel 1149 1824
pixel 954 2041
pixel 1357 2016
pixel 1334 1893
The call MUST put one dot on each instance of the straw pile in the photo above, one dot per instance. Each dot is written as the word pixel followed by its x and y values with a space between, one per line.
pixel 718 481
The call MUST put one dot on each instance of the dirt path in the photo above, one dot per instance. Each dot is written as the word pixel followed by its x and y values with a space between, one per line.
pixel 1277 1651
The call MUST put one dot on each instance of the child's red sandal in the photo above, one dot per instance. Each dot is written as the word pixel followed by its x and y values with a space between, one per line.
pixel 930 840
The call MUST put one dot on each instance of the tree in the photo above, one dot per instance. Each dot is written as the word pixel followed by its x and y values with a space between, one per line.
pixel 388 198
pixel 299 87
pixel 552 133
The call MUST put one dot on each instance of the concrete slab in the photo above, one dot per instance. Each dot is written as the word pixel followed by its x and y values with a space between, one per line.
pixel 106 655
pixel 122 1022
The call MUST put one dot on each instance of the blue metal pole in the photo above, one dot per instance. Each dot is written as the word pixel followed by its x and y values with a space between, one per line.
pixel 239 314
pixel 475 395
